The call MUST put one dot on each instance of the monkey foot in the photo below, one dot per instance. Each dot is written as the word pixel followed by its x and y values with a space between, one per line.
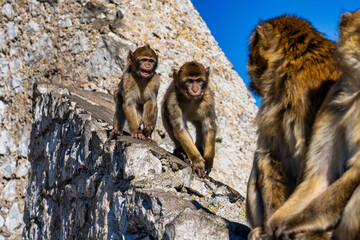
pixel 114 133
pixel 139 136
pixel 199 169
pixel 180 154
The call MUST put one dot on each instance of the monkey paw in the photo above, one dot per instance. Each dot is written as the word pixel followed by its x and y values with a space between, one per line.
pixel 257 234
pixel 151 140
pixel 281 232
pixel 199 169
pixel 139 135
pixel 114 133
pixel 147 128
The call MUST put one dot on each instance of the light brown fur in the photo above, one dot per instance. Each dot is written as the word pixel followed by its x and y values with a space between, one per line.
pixel 136 95
pixel 328 198
pixel 291 67
pixel 179 107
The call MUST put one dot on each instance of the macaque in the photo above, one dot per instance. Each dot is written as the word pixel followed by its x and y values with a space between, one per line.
pixel 328 199
pixel 291 66
pixel 136 95
pixel 188 98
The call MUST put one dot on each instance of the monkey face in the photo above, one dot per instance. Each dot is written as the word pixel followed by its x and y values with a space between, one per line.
pixel 191 79
pixel 194 87
pixel 143 62
pixel 145 66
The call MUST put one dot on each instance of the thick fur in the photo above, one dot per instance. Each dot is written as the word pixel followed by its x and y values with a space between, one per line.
pixel 179 107
pixel 291 67
pixel 328 198
pixel 136 97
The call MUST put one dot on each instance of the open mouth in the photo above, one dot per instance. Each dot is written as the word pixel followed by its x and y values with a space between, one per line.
pixel 145 73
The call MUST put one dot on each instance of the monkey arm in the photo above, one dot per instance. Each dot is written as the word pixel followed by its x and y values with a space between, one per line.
pixel 209 149
pixel 149 117
pixel 325 211
pixel 131 116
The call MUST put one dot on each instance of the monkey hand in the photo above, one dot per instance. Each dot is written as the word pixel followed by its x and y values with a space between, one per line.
pixel 147 129
pixel 283 232
pixel 208 165
pixel 199 169
pixel 114 133
pixel 138 135
pixel 258 234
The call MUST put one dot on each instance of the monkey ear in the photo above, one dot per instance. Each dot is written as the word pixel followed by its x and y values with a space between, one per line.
pixel 175 75
pixel 345 17
pixel 130 58
pixel 266 33
pixel 207 72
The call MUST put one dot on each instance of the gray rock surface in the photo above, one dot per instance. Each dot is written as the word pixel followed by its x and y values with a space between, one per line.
pixel 83 44
pixel 84 186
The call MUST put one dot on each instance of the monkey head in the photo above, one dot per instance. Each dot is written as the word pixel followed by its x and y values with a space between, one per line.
pixel 191 80
pixel 142 62
pixel 348 47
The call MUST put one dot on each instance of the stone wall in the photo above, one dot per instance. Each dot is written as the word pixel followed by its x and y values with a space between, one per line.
pixel 83 44
pixel 84 186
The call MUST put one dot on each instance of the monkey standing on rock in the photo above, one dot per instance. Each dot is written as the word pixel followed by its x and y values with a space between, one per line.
pixel 136 95
pixel 188 98
pixel 291 67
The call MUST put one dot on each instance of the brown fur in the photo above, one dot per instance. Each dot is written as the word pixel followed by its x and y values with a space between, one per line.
pixel 291 67
pixel 179 106
pixel 328 198
pixel 136 95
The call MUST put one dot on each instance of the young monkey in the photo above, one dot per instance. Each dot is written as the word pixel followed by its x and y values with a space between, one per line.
pixel 136 95
pixel 189 99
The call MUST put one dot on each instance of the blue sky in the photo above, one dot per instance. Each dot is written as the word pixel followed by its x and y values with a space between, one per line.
pixel 231 22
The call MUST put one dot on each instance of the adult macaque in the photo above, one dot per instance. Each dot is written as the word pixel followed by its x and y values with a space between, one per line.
pixel 136 95
pixel 328 200
pixel 188 98
pixel 291 67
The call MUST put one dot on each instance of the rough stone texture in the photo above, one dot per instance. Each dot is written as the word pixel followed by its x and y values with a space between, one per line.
pixel 84 186
pixel 83 44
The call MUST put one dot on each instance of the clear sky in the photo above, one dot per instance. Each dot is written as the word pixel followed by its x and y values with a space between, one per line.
pixel 232 21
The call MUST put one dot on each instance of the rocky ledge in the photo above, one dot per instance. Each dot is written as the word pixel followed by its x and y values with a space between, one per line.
pixel 84 186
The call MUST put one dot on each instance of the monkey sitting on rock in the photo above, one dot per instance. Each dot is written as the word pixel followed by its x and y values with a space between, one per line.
pixel 136 95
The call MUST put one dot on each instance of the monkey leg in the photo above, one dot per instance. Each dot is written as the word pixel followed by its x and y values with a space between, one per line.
pixel 149 117
pixel 132 120
pixel 119 117
pixel 254 204
pixel 272 182
pixel 191 151
pixel 209 150
pixel 325 211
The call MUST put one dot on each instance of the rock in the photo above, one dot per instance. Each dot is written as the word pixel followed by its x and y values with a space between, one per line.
pixel 14 219
pixel 65 20
pixel 9 191
pixel 12 30
pixel 15 66
pixel 22 171
pixel 2 109
pixel 32 25
pixel 126 187
pixel 7 166
pixel 6 142
pixel 139 161
pixel 1 221
pixel 4 68
pixel 14 84
pixel 8 10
